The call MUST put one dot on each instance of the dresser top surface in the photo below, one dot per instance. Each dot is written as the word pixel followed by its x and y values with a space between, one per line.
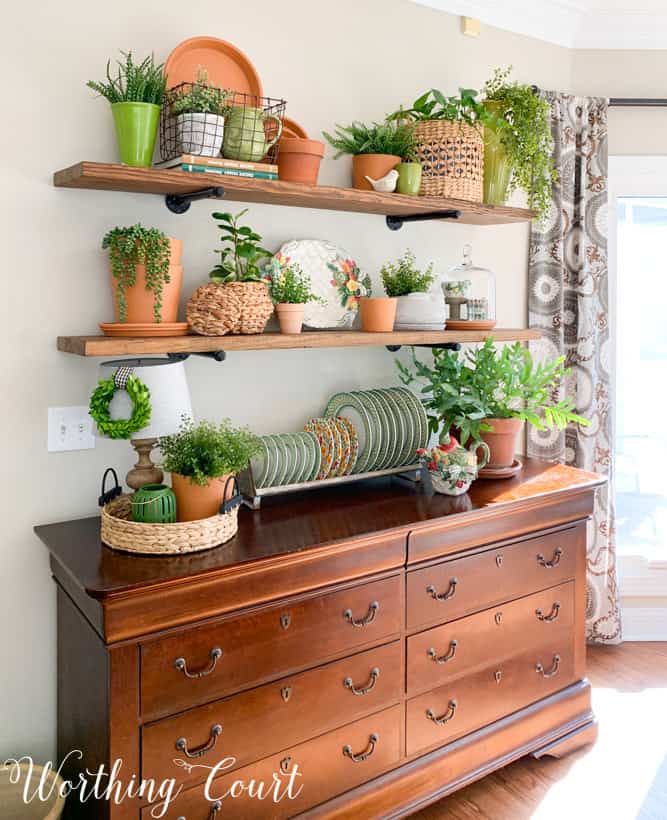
pixel 293 523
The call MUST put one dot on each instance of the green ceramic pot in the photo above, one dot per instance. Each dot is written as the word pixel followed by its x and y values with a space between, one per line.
pixel 497 166
pixel 154 504
pixel 409 178
pixel 136 128
pixel 245 134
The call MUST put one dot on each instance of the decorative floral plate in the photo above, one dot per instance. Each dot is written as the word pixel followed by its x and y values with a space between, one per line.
pixel 322 428
pixel 346 454
pixel 335 278
pixel 354 442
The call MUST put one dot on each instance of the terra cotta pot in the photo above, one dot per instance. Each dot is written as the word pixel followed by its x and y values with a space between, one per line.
pixel 502 441
pixel 290 317
pixel 373 165
pixel 194 502
pixel 377 314
pixel 299 160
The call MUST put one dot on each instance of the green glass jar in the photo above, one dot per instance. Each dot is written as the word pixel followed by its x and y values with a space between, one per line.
pixel 154 504
pixel 497 165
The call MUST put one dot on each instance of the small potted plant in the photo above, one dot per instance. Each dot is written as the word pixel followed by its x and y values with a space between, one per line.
pixel 236 300
pixel 378 313
pixel 376 150
pixel 135 94
pixel 145 274
pixel 487 394
pixel 201 459
pixel 290 291
pixel 416 307
pixel 200 110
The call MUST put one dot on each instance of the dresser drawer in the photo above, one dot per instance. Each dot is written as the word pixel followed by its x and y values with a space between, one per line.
pixel 275 716
pixel 460 647
pixel 203 663
pixel 318 769
pixel 468 703
pixel 451 589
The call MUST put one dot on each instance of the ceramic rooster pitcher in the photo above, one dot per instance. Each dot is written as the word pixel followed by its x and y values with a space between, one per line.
pixel 453 468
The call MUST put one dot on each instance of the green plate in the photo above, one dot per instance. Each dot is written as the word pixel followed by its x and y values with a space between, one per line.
pixel 271 462
pixel 385 442
pixel 347 400
pixel 395 415
pixel 316 455
pixel 302 457
pixel 282 460
pixel 408 454
pixel 292 457
pixel 420 417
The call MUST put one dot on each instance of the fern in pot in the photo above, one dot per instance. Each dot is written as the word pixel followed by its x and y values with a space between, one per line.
pixel 417 307
pixel 200 109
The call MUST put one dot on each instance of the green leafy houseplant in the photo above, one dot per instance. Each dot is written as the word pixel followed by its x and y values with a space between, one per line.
pixel 206 450
pixel 240 259
pixel 403 277
pixel 463 107
pixel 136 245
pixel 397 139
pixel 135 82
pixel 288 284
pixel 521 118
pixel 464 391
pixel 202 98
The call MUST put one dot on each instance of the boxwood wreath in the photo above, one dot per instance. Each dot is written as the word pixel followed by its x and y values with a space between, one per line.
pixel 141 407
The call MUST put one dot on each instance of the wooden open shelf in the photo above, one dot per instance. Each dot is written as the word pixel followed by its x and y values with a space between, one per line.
pixel 109 346
pixel 106 177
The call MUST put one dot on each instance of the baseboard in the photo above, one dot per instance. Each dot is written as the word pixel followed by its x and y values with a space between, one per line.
pixel 644 623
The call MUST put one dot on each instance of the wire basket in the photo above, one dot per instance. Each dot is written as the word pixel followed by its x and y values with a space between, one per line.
pixel 204 121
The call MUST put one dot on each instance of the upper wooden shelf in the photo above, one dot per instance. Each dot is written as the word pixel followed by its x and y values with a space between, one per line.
pixel 106 177
pixel 110 346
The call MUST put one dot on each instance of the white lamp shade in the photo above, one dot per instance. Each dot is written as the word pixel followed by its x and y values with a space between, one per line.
pixel 170 395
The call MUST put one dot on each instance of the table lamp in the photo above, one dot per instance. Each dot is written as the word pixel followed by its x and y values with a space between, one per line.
pixel 170 402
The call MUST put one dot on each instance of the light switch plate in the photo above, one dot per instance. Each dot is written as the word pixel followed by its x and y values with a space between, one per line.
pixel 70 428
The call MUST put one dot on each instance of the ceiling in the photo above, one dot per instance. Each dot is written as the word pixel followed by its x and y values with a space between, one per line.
pixel 614 24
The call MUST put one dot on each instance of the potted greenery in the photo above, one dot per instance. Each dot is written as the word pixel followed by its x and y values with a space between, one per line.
pixel 200 110
pixel 290 290
pixel 145 274
pixel 447 142
pixel 416 307
pixel 486 394
pixel 236 300
pixel 135 94
pixel 518 146
pixel 376 149
pixel 201 459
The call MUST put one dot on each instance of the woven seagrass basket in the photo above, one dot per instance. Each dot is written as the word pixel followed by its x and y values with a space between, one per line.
pixel 452 159
pixel 237 307
pixel 121 533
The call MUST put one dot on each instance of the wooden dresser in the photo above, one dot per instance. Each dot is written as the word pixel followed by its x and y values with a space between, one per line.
pixel 391 644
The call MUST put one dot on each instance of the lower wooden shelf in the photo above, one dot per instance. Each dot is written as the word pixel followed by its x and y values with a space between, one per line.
pixel 111 346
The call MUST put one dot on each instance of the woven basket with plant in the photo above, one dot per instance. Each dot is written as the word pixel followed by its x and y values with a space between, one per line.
pixel 236 300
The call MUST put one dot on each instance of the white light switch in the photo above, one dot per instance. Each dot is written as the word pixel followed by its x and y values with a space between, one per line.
pixel 70 428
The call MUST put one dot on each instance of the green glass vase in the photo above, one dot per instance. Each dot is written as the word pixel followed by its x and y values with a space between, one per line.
pixel 497 165
pixel 154 504
pixel 136 129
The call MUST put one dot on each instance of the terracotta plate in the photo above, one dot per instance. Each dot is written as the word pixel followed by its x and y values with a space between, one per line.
pixel 227 66
pixel 129 329
pixel 473 324
pixel 293 129
pixel 501 472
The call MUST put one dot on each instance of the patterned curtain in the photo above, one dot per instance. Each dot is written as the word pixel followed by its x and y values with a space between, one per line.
pixel 568 302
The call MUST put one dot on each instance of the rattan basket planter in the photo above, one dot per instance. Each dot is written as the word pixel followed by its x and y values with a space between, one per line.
pixel 121 533
pixel 452 159
pixel 237 307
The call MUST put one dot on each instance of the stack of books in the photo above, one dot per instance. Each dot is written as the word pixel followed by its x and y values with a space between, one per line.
pixel 222 166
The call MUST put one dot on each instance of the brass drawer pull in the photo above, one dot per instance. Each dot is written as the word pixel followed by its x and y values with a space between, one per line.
pixel 215 808
pixel 449 714
pixel 555 561
pixel 348 684
pixel 285 764
pixel 368 751
pixel 368 618
pixel 552 616
pixel 200 751
pixel 549 673
pixel 450 592
pixel 182 666
pixel 448 656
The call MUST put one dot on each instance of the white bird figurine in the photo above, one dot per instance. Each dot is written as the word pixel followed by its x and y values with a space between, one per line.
pixel 386 184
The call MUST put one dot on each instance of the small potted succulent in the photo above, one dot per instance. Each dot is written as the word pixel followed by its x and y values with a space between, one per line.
pixel 376 150
pixel 290 291
pixel 487 394
pixel 201 459
pixel 200 110
pixel 236 300
pixel 135 94
pixel 416 307
pixel 145 274
pixel 451 467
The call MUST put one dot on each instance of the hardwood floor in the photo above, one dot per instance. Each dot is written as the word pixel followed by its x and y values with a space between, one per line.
pixel 622 777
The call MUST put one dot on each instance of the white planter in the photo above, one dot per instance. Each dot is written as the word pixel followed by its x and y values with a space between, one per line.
pixel 200 134
pixel 420 311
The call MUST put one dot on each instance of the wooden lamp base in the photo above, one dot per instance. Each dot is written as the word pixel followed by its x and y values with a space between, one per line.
pixel 144 471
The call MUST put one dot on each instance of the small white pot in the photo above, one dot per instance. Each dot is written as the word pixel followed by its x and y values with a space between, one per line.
pixel 200 134
pixel 420 311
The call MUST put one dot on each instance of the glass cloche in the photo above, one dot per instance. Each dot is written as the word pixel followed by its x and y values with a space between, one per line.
pixel 470 295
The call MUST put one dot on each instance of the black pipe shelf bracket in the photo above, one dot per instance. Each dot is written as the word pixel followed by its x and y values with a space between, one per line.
pixel 180 203
pixel 395 223
pixel 216 355
pixel 456 346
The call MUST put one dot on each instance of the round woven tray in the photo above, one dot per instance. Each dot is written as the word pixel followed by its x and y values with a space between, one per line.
pixel 452 159
pixel 121 533
pixel 237 307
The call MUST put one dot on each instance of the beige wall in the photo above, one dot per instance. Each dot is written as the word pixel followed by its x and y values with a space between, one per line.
pixel 332 63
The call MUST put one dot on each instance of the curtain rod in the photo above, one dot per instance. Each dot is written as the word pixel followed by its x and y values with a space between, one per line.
pixel 629 102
